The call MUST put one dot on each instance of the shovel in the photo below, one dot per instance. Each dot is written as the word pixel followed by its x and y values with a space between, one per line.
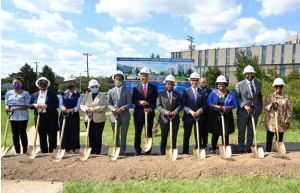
pixel 257 152
pixel 198 153
pixel 4 149
pixel 146 142
pixel 114 151
pixel 225 151
pixel 85 152
pixel 33 150
pixel 279 145
pixel 171 153
pixel 58 153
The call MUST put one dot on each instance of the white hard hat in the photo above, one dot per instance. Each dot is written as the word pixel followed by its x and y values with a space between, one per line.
pixel 195 75
pixel 144 70
pixel 248 69
pixel 170 78
pixel 69 77
pixel 93 82
pixel 41 78
pixel 118 72
pixel 278 81
pixel 221 78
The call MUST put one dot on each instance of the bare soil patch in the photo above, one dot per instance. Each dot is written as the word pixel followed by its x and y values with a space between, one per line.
pixel 101 168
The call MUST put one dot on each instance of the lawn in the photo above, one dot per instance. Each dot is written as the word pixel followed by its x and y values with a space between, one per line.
pixel 213 184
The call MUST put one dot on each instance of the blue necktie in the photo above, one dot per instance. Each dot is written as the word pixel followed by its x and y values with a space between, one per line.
pixel 252 89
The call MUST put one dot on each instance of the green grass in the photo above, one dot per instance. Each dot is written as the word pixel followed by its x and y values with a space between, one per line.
pixel 213 184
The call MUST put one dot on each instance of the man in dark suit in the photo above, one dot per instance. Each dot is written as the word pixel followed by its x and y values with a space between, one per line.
pixel 144 98
pixel 169 106
pixel 46 102
pixel 249 98
pixel 194 104
pixel 204 132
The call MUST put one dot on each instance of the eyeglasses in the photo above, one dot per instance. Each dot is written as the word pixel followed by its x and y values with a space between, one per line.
pixel 194 80
pixel 278 86
pixel 94 87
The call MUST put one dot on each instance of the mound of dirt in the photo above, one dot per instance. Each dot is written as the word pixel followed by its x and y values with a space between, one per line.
pixel 101 168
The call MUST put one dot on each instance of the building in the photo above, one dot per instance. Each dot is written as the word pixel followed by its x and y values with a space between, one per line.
pixel 283 57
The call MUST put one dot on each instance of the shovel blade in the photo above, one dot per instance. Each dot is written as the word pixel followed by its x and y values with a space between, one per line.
pixel 84 153
pixel 172 154
pixel 225 151
pixel 113 153
pixel 146 144
pixel 58 154
pixel 281 148
pixel 32 151
pixel 258 152
pixel 4 150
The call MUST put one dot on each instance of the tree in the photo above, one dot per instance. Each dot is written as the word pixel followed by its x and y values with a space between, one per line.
pixel 27 74
pixel 50 75
pixel 152 55
pixel 244 59
pixel 211 75
pixel 157 56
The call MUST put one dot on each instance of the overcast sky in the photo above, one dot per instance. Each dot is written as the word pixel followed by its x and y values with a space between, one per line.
pixel 57 32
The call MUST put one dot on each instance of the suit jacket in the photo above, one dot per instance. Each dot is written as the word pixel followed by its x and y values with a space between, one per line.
pixel 188 102
pixel 99 103
pixel 138 95
pixel 51 110
pixel 243 95
pixel 164 106
pixel 124 102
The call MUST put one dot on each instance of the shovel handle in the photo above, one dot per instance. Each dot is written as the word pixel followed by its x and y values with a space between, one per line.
pixel 254 130
pixel 171 133
pixel 223 128
pixel 197 132
pixel 146 125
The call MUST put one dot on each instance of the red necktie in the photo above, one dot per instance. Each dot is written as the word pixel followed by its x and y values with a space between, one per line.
pixel 145 90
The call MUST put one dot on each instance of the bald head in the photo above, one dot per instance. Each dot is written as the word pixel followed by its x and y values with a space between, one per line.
pixel 203 82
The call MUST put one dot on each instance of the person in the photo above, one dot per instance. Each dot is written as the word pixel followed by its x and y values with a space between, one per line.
pixel 45 102
pixel 119 102
pixel 221 100
pixel 194 104
pixel 249 98
pixel 169 106
pixel 280 102
pixel 144 98
pixel 69 104
pixel 16 105
pixel 204 131
pixel 94 104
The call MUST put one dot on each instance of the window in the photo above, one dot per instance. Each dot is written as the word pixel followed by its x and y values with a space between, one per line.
pixel 227 65
pixel 206 58
pixel 263 55
pixel 282 66
pixel 273 54
pixel 199 57
pixel 294 54
pixel 236 51
pixel 216 57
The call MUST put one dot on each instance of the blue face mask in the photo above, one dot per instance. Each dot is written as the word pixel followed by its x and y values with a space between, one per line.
pixel 17 87
pixel 94 90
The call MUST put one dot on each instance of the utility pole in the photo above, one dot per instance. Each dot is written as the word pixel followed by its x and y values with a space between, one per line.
pixel 87 63
pixel 36 68
pixel 191 48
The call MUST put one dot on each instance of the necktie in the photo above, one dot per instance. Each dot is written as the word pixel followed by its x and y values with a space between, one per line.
pixel 170 97
pixel 252 89
pixel 195 94
pixel 145 90
pixel 118 93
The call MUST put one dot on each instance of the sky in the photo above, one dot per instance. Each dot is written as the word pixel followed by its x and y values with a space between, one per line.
pixel 57 32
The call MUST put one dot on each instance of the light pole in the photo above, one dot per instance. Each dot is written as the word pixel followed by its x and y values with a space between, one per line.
pixel 36 68
pixel 80 88
pixel 87 63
